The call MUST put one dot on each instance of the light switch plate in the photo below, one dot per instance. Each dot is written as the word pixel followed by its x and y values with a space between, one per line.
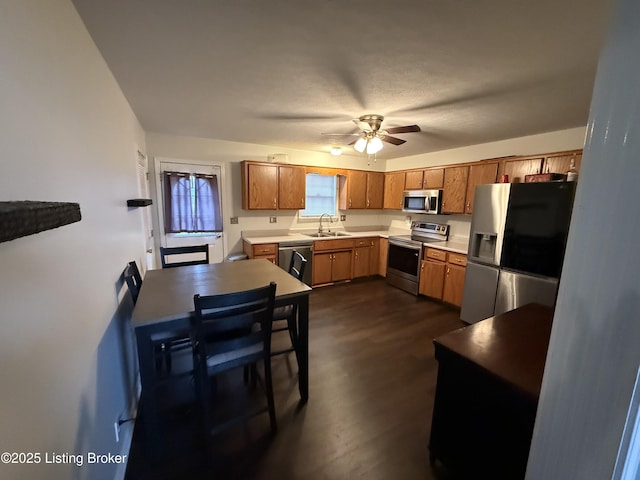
pixel 343 218
pixel 273 219
pixel 234 220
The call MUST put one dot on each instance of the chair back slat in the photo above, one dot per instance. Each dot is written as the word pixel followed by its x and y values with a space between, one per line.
pixel 133 279
pixel 187 250
pixel 232 322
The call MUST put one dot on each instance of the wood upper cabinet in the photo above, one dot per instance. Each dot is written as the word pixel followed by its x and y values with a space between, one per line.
pixel 259 186
pixel 518 169
pixel 267 186
pixel 291 187
pixel 394 184
pixel 430 178
pixel 361 189
pixel 413 179
pixel 560 163
pixel 454 189
pixel 479 175
pixel 375 189
pixel 433 178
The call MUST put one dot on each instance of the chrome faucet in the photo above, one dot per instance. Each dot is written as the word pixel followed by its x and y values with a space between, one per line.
pixel 321 217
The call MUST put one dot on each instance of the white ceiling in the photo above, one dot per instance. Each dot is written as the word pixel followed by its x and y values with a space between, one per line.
pixel 281 72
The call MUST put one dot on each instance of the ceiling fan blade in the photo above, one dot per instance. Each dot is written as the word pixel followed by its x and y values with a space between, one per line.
pixel 341 134
pixel 352 143
pixel 407 129
pixel 393 140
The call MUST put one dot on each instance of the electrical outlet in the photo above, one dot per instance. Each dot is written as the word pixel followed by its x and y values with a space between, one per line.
pixel 343 218
pixel 234 220
pixel 273 219
pixel 116 429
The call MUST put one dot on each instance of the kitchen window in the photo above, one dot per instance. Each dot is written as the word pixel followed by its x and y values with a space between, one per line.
pixel 191 203
pixel 321 195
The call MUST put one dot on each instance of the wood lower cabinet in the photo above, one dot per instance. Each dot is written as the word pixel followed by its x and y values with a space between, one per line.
pixel 454 189
pixel 442 275
pixel 382 258
pixel 332 261
pixel 432 278
pixel 453 284
pixel 261 250
pixel 365 257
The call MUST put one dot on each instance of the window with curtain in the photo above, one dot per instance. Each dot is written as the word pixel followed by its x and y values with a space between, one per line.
pixel 191 203
pixel 321 195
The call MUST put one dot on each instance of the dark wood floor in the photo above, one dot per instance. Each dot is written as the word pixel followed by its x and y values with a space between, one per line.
pixel 372 383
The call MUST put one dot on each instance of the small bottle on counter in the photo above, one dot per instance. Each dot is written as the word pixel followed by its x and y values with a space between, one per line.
pixel 572 173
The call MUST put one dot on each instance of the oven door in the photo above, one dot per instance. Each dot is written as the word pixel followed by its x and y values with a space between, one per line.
pixel 404 259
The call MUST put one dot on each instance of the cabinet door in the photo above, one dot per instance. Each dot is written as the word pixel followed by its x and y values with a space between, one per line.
pixel 375 189
pixel 560 163
pixel 413 180
pixel 341 268
pixel 479 175
pixel 455 189
pixel 361 261
pixel 261 187
pixel 518 169
pixel 453 284
pixel 374 256
pixel 433 178
pixel 382 261
pixel 393 188
pixel 322 263
pixel 357 189
pixel 291 187
pixel 432 278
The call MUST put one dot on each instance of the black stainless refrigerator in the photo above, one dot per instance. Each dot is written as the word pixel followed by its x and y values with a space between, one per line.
pixel 516 246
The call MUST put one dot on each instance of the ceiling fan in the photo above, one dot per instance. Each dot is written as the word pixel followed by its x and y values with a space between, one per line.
pixel 371 137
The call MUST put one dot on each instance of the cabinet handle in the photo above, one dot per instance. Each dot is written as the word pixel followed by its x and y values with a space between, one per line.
pixel 349 202
pixel 448 270
pixel 367 202
pixel 302 202
pixel 275 203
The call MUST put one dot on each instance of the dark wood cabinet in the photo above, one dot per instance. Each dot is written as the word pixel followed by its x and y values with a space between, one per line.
pixel 489 378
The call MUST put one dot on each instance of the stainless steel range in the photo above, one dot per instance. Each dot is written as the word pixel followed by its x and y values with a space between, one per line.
pixel 405 254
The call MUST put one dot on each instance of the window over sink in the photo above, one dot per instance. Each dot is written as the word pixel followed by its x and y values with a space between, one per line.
pixel 321 195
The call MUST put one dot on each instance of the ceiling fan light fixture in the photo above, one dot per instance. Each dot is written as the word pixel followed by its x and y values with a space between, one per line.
pixel 335 151
pixel 361 144
pixel 374 145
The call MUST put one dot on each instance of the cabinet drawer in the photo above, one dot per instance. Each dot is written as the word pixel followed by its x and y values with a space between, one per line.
pixel 326 245
pixel 364 242
pixel 457 259
pixel 264 249
pixel 436 254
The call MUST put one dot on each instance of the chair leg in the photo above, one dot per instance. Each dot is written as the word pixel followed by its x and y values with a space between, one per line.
pixel 269 391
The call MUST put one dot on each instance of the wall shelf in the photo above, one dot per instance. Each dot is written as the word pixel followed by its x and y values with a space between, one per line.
pixel 22 218
pixel 139 202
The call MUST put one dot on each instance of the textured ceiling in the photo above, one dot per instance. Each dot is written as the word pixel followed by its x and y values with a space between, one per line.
pixel 281 72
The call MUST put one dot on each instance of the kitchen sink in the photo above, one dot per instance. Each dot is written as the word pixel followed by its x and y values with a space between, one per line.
pixel 327 234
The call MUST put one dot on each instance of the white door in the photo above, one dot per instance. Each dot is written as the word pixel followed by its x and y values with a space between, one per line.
pixel 214 240
pixel 143 190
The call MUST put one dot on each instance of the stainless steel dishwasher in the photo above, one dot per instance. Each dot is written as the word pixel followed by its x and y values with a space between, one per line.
pixel 305 248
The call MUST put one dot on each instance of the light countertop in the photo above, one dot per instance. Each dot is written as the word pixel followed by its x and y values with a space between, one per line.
pixel 455 244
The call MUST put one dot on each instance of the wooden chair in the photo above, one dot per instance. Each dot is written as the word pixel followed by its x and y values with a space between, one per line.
pixel 134 280
pixel 229 331
pixel 170 251
pixel 285 318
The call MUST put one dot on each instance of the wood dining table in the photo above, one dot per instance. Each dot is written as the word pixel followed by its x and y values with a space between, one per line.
pixel 165 304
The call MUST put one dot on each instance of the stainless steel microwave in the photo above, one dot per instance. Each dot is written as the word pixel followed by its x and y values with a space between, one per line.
pixel 422 201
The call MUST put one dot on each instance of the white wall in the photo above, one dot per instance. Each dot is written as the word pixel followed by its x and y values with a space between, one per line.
pixel 66 134
pixel 594 352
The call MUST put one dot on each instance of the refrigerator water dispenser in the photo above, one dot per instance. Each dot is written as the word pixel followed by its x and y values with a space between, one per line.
pixel 483 247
